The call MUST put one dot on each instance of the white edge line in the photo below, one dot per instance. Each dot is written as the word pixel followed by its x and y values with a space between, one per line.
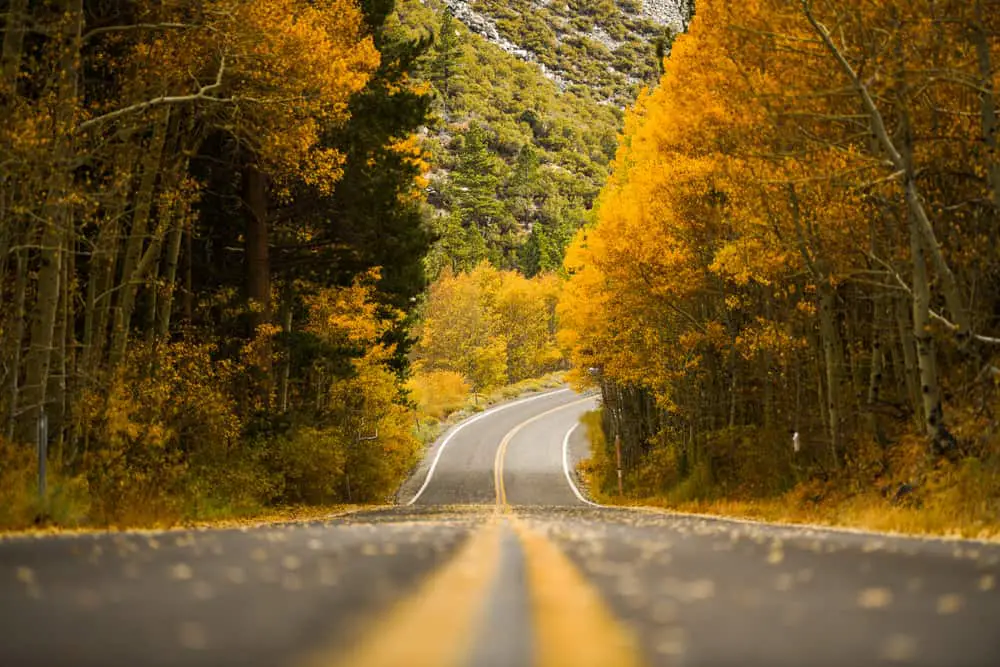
pixel 569 476
pixel 456 429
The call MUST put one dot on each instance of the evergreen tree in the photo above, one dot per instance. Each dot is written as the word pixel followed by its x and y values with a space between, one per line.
pixel 476 182
pixel 445 59
pixel 458 248
pixel 523 186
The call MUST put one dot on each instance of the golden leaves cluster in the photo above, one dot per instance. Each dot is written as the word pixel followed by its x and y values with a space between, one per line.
pixel 491 327
pixel 749 178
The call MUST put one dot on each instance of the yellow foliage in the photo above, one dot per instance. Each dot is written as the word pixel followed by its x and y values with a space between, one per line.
pixel 438 393
pixel 413 154
pixel 492 327
pixel 166 415
pixel 285 70
pixel 352 317
pixel 360 445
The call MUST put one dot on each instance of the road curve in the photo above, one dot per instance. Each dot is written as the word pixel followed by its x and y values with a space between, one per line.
pixel 459 469
pixel 498 561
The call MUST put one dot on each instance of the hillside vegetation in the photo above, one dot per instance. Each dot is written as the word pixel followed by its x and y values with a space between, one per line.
pixel 606 48
pixel 519 152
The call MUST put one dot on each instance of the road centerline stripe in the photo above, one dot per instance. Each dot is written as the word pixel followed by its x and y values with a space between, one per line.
pixel 572 624
pixel 501 453
pixel 454 431
pixel 435 625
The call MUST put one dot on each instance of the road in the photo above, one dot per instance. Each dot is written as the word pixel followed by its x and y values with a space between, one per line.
pixel 492 558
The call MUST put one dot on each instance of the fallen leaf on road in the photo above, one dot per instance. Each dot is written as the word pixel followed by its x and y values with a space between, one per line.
pixel 875 598
pixel 949 604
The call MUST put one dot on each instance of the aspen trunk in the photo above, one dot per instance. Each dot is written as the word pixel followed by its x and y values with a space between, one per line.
pixel 57 389
pixel 178 213
pixel 733 386
pixel 13 43
pixel 988 104
pixel 132 264
pixel 949 284
pixel 831 360
pixel 188 272
pixel 258 267
pixel 821 399
pixel 56 220
pixel 100 276
pixel 16 340
pixel 257 248
pixel 286 368
pixel 172 259
pixel 910 371
pixel 930 391
pixel 875 371
pixel 43 317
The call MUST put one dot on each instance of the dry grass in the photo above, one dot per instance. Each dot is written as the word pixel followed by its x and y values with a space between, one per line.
pixel 429 426
pixel 958 500
pixel 869 512
pixel 273 515
pixel 948 499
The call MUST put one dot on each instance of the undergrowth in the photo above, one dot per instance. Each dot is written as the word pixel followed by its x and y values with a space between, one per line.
pixel 437 411
pixel 900 488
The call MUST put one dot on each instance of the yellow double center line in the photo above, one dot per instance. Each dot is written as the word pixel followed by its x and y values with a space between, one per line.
pixel 501 454
pixel 436 625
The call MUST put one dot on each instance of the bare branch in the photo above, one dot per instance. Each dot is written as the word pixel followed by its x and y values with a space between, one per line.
pixel 948 324
pixel 202 94
pixel 878 124
pixel 96 32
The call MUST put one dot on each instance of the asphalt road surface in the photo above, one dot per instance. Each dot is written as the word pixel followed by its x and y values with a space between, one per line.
pixel 493 557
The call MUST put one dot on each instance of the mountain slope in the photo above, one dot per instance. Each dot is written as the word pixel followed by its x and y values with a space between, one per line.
pixel 530 97
pixel 606 46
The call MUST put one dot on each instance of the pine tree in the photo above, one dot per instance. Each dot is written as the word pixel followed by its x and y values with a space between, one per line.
pixel 523 187
pixel 444 62
pixel 476 184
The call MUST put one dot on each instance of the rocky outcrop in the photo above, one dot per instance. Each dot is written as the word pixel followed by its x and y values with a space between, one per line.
pixel 485 27
pixel 666 12
pixel 644 16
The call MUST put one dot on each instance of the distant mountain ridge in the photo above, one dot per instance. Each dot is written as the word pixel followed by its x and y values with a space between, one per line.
pixel 607 45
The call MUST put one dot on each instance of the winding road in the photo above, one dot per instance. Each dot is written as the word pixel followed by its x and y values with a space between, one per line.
pixel 492 557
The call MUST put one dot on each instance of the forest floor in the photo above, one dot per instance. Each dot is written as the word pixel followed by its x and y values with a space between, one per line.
pixel 269 515
pixel 951 507
pixel 912 493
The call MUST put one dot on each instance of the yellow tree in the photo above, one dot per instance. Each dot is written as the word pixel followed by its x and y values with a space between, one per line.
pixel 763 202
pixel 458 328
